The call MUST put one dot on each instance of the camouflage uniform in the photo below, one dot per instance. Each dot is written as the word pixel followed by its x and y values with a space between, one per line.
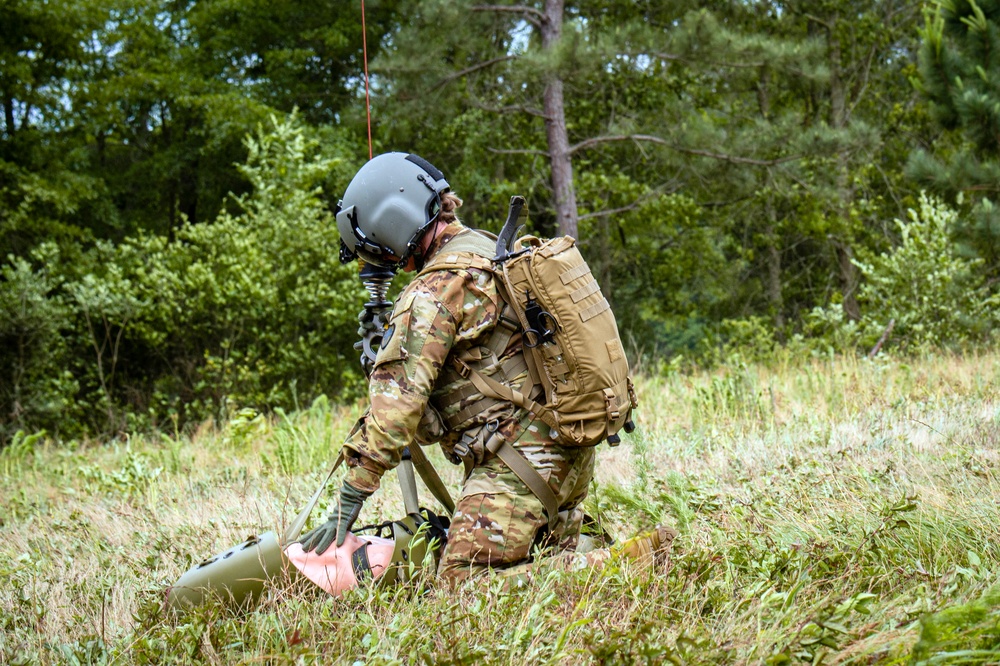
pixel 498 520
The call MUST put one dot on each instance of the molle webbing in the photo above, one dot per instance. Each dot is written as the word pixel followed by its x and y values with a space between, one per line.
pixel 508 370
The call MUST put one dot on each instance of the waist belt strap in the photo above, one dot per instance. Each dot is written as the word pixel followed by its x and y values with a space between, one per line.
pixel 528 475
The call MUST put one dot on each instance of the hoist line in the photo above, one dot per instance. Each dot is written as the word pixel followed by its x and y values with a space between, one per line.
pixel 368 103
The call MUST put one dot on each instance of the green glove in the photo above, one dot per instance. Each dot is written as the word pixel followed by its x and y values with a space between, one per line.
pixel 338 524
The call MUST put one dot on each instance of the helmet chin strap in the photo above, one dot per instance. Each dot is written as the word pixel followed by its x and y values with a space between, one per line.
pixel 426 241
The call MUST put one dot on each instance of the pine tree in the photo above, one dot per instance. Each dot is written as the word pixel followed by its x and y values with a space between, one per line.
pixel 749 129
pixel 960 76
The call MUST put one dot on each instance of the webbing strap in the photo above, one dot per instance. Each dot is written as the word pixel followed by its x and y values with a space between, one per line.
pixel 494 389
pixel 528 474
pixel 295 529
pixel 584 291
pixel 464 452
pixel 431 479
pixel 595 309
pixel 475 409
pixel 574 273
pixel 514 366
pixel 503 331
pixel 509 369
pixel 537 374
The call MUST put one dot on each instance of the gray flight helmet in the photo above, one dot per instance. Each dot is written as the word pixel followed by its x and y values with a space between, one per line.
pixel 388 205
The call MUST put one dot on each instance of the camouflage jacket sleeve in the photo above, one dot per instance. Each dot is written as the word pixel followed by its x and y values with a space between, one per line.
pixel 433 314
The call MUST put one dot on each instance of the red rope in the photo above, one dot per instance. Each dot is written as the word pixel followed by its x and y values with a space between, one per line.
pixel 368 103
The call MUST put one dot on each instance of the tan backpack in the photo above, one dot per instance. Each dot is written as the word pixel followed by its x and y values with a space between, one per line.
pixel 571 343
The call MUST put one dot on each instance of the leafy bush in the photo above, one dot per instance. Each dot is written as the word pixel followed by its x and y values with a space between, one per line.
pixel 253 309
pixel 33 316
pixel 934 295
pixel 256 307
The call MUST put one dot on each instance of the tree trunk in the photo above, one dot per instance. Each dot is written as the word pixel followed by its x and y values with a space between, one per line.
pixel 848 279
pixel 560 160
pixel 838 120
pixel 8 115
pixel 772 249
pixel 773 286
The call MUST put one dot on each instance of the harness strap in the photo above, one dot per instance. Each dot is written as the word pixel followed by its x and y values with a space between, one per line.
pixel 523 469
pixel 431 479
pixel 472 410
pixel 537 374
pixel 463 450
pixel 538 383
pixel 508 369
pixel 491 388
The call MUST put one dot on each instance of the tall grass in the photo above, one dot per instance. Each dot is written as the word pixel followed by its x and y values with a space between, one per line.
pixel 831 511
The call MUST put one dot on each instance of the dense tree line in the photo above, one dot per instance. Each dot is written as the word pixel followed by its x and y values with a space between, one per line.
pixel 734 172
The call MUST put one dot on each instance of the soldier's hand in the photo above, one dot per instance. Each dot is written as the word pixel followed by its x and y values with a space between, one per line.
pixel 339 524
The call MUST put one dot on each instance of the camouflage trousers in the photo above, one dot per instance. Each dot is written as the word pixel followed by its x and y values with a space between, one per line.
pixel 500 524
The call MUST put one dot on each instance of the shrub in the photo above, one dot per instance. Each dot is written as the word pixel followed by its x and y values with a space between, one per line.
pixel 253 309
pixel 934 295
pixel 37 386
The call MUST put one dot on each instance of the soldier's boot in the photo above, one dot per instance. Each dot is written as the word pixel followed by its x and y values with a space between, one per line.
pixel 648 547
pixel 644 549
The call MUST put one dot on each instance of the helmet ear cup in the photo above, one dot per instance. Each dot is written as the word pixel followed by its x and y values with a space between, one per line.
pixel 386 208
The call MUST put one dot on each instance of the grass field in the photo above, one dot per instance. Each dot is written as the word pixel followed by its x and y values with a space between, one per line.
pixel 831 511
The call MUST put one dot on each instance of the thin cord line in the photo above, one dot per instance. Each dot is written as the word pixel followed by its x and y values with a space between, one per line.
pixel 368 103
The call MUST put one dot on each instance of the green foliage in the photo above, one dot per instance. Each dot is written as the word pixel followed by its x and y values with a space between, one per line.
pixel 38 386
pixel 136 477
pixel 728 161
pixel 253 309
pixel 729 164
pixel 935 296
pixel 664 268
pixel 964 633
pixel 958 77
pixel 301 440
pixel 129 116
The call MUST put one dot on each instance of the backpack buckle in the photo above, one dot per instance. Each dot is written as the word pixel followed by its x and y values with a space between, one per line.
pixel 611 404
pixel 462 448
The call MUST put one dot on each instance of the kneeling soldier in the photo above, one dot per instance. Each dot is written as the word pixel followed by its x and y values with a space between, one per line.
pixel 398 211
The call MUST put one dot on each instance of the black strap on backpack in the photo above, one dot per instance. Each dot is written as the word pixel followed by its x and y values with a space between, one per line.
pixel 506 238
